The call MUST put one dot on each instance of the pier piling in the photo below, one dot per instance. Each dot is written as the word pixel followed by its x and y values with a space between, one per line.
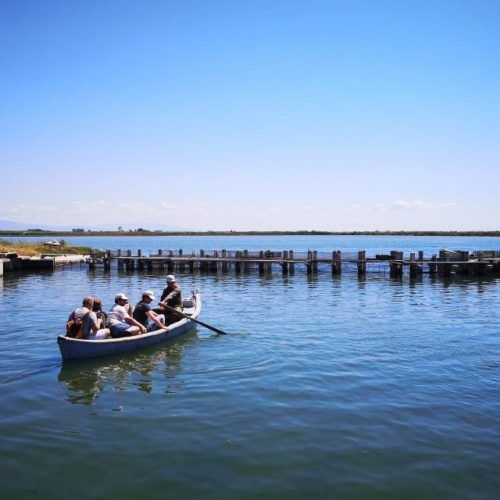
pixel 448 263
pixel 361 262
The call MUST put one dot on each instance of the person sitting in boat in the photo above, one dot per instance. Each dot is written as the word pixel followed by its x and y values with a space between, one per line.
pixel 145 315
pixel 120 322
pixel 171 297
pixel 92 326
pixel 129 308
pixel 97 308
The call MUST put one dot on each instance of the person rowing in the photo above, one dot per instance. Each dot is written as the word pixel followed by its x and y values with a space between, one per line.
pixel 171 297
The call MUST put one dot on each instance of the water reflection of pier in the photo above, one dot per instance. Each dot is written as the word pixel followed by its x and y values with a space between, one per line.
pixel 446 263
pixel 84 381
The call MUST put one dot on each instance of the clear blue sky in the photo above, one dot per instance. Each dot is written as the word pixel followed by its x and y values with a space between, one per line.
pixel 335 115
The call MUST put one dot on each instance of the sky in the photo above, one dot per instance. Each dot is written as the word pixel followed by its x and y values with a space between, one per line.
pixel 251 115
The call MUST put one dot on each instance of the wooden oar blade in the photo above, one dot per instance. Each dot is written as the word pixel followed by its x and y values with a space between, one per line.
pixel 210 327
pixel 206 325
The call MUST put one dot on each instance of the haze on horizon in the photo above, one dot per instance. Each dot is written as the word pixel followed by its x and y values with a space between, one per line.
pixel 221 115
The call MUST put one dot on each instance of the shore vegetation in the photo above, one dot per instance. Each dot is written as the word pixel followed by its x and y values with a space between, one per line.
pixel 146 232
pixel 37 249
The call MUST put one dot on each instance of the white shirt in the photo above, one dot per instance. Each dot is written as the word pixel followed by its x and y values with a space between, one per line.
pixel 117 314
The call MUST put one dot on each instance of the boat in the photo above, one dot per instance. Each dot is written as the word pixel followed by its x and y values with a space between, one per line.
pixel 52 243
pixel 72 348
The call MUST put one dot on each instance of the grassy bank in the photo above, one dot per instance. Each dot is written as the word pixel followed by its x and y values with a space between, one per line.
pixel 37 249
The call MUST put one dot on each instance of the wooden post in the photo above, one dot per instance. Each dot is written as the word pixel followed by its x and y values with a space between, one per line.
pixel 337 262
pixel 433 267
pixel 414 268
pixel 213 266
pixel 464 257
pixel 480 267
pixel 130 263
pixel 268 265
pixel 246 264
pixel 203 264
pixel 284 266
pixel 107 260
pixel 444 269
pixel 396 268
pixel 217 262
pixel 392 265
pixel 315 262
pixel 160 252
pixel 170 262
pixel 291 265
pixel 119 252
pixel 224 262
pixel 237 264
pixel 261 264
pixel 362 262
pixel 181 264
pixel 309 262
pixel 159 265
pixel 139 253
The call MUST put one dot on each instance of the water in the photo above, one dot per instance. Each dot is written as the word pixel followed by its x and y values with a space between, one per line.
pixel 372 244
pixel 326 387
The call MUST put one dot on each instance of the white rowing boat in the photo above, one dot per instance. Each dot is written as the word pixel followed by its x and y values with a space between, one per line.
pixel 72 348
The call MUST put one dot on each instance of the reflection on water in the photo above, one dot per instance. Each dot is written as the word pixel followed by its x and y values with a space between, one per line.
pixel 85 380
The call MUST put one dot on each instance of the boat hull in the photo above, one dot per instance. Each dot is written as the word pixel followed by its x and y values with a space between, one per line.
pixel 72 349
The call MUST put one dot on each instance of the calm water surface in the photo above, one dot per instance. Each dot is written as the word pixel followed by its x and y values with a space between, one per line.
pixel 372 244
pixel 327 387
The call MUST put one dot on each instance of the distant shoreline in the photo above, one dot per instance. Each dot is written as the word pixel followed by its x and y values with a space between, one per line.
pixel 29 233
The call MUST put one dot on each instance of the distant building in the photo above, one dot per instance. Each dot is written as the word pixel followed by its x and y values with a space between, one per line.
pixel 78 230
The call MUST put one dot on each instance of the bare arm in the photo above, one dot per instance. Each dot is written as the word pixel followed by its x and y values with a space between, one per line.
pixel 133 322
pixel 174 293
pixel 154 318
pixel 96 325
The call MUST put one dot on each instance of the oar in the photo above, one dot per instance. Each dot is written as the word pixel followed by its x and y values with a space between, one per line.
pixel 210 327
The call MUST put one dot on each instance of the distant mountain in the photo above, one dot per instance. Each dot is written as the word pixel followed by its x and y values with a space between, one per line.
pixel 8 225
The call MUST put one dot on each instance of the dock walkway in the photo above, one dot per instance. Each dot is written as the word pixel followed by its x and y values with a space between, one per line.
pixel 445 263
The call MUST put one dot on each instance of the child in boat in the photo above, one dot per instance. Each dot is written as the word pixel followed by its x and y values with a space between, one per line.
pixel 97 308
pixel 101 315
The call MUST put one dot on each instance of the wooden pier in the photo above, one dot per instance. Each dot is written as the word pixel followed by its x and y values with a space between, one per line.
pixel 446 263
pixel 11 261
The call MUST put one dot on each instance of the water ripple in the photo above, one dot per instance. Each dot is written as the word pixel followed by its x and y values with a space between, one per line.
pixel 323 387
